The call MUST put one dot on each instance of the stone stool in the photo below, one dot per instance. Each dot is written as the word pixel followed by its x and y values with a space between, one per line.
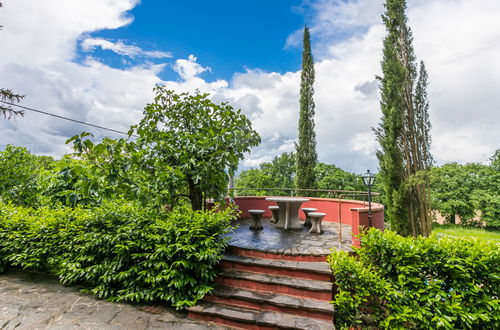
pixel 316 218
pixel 276 213
pixel 308 210
pixel 256 215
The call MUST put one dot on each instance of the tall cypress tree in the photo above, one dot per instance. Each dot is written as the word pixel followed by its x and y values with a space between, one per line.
pixel 306 157
pixel 403 132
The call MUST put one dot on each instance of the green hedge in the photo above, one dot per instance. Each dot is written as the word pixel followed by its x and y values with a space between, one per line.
pixel 425 283
pixel 118 250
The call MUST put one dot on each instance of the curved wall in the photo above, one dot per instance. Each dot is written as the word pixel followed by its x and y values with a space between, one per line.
pixel 350 212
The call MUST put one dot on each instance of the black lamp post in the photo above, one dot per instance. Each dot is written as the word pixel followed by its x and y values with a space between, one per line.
pixel 368 180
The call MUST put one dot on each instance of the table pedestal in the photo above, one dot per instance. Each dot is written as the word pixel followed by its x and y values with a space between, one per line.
pixel 289 211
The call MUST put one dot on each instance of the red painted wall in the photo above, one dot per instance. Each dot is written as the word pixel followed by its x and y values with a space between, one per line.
pixel 354 213
pixel 329 206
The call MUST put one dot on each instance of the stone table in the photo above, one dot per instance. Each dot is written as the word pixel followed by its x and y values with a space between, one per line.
pixel 289 211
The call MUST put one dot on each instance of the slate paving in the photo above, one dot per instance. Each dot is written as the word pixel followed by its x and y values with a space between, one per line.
pixel 292 241
pixel 38 301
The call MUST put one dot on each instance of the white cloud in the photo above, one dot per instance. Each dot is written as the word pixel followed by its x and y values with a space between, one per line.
pixel 36 61
pixel 189 68
pixel 460 50
pixel 121 48
pixel 38 32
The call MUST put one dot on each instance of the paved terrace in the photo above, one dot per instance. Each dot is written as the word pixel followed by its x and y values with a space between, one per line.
pixel 290 242
pixel 38 301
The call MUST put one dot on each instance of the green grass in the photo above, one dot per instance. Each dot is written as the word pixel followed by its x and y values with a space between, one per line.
pixel 460 231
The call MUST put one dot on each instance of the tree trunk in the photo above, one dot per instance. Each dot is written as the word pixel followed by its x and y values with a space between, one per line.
pixel 195 196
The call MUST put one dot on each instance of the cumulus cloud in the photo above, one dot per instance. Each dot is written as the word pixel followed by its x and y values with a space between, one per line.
pixel 121 48
pixel 36 62
pixel 189 68
pixel 460 50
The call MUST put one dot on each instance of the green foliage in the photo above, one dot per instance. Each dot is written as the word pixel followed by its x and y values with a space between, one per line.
pixel 20 173
pixel 120 251
pixel 306 155
pixel 330 176
pixel 200 139
pixel 404 130
pixel 280 173
pixel 186 146
pixel 452 188
pixel 424 283
pixel 468 191
pixel 119 169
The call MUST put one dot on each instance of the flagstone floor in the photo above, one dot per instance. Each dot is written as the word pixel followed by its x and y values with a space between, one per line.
pixel 38 301
pixel 290 242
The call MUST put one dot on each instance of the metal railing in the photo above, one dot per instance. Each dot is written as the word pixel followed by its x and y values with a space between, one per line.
pixel 325 193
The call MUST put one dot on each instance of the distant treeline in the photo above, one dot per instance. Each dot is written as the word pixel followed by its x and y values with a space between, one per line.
pixel 470 192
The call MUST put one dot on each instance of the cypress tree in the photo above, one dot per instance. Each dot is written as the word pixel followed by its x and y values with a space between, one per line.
pixel 306 156
pixel 403 133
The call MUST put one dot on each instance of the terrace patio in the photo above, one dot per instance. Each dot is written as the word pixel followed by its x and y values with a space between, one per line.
pixel 279 278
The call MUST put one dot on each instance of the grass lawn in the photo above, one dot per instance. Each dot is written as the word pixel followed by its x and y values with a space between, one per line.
pixel 460 231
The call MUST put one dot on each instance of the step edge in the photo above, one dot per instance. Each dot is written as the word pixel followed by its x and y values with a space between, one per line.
pixel 287 264
pixel 234 274
pixel 256 320
pixel 326 303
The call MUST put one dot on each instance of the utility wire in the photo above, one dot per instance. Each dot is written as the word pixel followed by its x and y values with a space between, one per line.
pixel 66 118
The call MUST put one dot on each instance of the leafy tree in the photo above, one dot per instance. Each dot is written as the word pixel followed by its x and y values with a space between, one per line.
pixel 279 173
pixel 306 146
pixel 20 173
pixel 115 169
pixel 186 146
pixel 198 138
pixel 403 132
pixel 487 200
pixel 331 177
pixel 6 95
pixel 452 188
pixel 467 192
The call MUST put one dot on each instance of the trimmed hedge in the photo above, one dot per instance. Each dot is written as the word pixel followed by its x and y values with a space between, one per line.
pixel 424 283
pixel 119 251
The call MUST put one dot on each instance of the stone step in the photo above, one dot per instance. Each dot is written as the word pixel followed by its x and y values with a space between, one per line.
pixel 245 318
pixel 316 254
pixel 300 269
pixel 299 287
pixel 303 307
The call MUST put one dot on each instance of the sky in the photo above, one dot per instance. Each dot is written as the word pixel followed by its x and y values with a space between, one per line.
pixel 98 61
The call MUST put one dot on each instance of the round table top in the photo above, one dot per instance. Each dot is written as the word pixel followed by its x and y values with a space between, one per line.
pixel 287 199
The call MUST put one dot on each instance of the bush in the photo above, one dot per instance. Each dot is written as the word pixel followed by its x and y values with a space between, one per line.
pixel 407 282
pixel 20 172
pixel 119 251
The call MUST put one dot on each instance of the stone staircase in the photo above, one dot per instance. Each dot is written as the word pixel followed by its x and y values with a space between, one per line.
pixel 263 291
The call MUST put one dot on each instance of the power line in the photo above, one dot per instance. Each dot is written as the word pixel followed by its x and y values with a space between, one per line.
pixel 66 118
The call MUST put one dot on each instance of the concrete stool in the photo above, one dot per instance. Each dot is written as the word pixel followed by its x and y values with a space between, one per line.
pixel 276 213
pixel 308 210
pixel 256 215
pixel 316 218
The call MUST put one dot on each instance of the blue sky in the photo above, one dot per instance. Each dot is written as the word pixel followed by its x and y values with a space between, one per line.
pixel 229 36
pixel 98 61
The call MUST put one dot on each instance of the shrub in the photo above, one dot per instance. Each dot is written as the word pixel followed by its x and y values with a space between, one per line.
pixel 119 251
pixel 407 282
pixel 20 172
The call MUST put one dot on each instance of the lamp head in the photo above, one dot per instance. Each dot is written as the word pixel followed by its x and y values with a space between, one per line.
pixel 368 178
